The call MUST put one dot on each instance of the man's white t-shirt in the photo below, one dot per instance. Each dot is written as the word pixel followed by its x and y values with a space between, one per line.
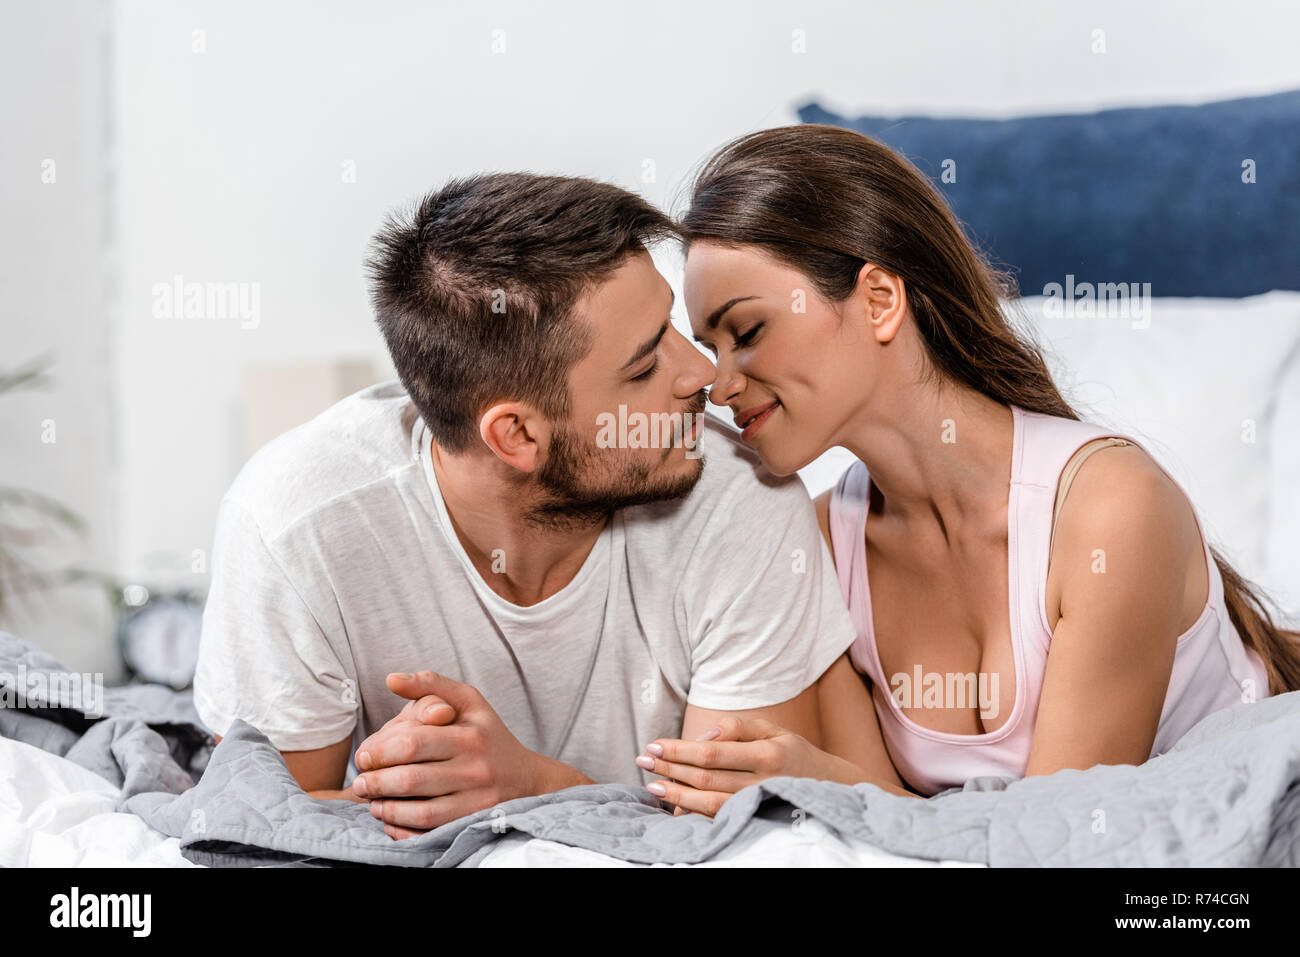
pixel 335 563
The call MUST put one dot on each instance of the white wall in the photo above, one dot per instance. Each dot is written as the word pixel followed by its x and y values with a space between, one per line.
pixel 230 160
pixel 55 289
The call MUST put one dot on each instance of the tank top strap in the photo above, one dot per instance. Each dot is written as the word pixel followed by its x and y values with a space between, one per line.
pixel 848 501
pixel 848 521
pixel 1050 442
pixel 848 517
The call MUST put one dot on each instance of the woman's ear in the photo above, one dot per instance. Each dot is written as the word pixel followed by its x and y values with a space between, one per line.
pixel 883 298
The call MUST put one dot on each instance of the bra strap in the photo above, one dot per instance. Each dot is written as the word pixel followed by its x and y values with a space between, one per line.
pixel 1071 469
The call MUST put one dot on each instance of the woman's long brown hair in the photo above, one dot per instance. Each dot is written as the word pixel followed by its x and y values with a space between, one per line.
pixel 826 200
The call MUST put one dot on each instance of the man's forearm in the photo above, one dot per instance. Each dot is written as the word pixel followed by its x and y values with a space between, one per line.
pixel 556 776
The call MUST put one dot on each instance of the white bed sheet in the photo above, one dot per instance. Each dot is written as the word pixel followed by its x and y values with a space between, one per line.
pixel 812 844
pixel 55 813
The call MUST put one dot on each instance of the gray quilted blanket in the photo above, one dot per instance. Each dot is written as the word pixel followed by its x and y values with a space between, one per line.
pixel 1225 795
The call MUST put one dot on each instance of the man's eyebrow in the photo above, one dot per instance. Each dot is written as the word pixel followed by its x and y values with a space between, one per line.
pixel 716 315
pixel 647 347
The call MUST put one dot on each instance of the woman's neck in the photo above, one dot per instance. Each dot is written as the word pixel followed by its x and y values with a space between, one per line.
pixel 941 460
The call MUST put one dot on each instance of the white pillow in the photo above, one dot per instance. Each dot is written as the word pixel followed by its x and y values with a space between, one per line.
pixel 824 471
pixel 1282 571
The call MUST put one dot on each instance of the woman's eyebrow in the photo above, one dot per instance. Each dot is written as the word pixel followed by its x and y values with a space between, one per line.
pixel 716 315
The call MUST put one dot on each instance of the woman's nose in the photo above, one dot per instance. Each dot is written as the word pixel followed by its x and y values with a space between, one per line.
pixel 727 384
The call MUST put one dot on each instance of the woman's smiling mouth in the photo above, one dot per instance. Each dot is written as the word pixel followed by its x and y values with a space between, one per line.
pixel 751 420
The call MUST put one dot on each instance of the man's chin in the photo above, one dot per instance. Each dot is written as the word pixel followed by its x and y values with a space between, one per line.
pixel 661 488
pixel 595 507
pixel 681 485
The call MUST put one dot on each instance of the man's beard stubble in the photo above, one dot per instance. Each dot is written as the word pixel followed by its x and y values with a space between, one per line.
pixel 569 501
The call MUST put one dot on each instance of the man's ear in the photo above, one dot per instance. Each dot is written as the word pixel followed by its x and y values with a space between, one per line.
pixel 516 433
pixel 884 301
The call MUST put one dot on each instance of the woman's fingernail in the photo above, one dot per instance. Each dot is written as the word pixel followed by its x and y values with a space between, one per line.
pixel 430 711
pixel 710 734
pixel 403 674
pixel 643 762
pixel 655 749
pixel 657 789
pixel 363 760
pixel 359 785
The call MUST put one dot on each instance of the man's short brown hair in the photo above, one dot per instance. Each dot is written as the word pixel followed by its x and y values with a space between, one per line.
pixel 474 290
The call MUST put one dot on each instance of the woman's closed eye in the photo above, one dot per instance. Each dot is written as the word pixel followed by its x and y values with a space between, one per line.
pixel 748 338
pixel 740 342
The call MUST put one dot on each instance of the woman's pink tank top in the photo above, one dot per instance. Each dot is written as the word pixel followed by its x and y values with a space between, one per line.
pixel 1212 669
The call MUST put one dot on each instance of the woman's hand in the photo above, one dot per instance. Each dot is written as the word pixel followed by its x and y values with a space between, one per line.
pixel 703 774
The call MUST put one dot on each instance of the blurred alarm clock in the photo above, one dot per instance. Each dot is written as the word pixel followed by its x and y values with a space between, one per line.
pixel 158 636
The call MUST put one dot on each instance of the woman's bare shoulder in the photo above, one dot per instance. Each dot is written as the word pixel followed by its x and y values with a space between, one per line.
pixel 1122 495
pixel 1118 479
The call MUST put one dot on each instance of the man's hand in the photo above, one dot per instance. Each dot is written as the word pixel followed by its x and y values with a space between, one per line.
pixel 446 755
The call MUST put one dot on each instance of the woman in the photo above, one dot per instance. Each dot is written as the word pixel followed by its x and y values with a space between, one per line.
pixel 846 308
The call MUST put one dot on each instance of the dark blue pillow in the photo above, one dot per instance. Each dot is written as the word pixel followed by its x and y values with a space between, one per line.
pixel 1134 195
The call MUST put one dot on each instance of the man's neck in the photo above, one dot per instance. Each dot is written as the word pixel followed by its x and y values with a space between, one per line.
pixel 522 561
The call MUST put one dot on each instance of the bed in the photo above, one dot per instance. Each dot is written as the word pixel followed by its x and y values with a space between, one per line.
pixel 137 782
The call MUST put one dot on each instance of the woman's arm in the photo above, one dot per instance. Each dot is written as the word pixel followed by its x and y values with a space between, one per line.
pixel 851 727
pixel 1125 540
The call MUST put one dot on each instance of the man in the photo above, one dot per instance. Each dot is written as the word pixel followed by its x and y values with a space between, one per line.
pixel 564 598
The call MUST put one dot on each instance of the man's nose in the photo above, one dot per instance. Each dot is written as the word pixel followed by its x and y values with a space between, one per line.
pixel 697 371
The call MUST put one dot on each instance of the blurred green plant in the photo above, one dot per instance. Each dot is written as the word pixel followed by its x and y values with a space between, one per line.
pixel 29 519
